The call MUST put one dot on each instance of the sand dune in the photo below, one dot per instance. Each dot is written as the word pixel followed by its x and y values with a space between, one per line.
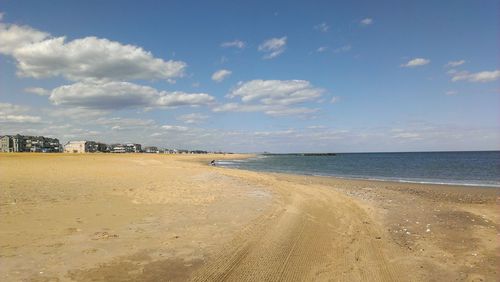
pixel 173 218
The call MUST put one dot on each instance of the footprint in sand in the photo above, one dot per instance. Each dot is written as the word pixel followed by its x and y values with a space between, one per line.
pixel 104 236
pixel 72 230
pixel 90 251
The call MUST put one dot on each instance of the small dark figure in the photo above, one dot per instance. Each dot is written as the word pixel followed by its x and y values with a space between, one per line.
pixel 212 163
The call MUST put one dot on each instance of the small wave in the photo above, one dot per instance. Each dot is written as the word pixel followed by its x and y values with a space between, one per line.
pixel 436 182
pixel 496 185
pixel 385 167
pixel 232 163
pixel 239 161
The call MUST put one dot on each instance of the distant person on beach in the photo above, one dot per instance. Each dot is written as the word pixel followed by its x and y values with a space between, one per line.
pixel 212 163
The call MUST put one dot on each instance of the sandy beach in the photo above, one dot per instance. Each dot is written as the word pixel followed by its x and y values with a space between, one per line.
pixel 148 217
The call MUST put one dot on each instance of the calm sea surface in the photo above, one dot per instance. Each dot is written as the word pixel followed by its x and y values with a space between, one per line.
pixel 465 168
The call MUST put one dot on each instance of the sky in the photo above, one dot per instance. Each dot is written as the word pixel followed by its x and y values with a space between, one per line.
pixel 254 76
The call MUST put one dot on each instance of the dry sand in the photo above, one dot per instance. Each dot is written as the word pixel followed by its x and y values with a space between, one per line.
pixel 138 217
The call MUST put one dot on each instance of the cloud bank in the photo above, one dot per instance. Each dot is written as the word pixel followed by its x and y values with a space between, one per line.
pixel 10 113
pixel 39 55
pixel 273 97
pixel 120 95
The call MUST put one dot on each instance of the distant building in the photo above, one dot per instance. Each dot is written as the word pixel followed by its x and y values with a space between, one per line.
pixel 21 143
pixel 13 143
pixel 18 143
pixel 77 147
pixel 38 144
pixel 125 148
pixel 117 148
pixel 101 147
pixel 133 148
pixel 151 149
pixel 198 152
pixel 6 144
pixel 171 151
pixel 85 147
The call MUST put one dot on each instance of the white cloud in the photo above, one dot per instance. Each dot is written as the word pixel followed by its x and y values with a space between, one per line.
pixel 121 125
pixel 323 27
pixel 7 108
pixel 19 119
pixel 453 64
pixel 236 107
pixel 316 127
pixel 273 47
pixel 272 97
pixel 235 43
pixel 276 92
pixel 120 121
pixel 272 110
pixel 334 99
pixel 174 128
pixel 483 76
pixel 10 113
pixel 119 95
pixel 1 16
pixel 13 37
pixel 282 111
pixel 407 135
pixel 75 113
pixel 341 49
pixel 38 55
pixel 416 62
pixel 274 138
pixel 366 21
pixel 93 57
pixel 321 49
pixel 37 91
pixel 220 75
pixel 193 118
pixel 276 133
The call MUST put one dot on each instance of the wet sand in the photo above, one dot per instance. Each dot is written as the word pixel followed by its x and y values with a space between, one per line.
pixel 138 217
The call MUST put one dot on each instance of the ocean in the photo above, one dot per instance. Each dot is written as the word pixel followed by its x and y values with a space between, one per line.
pixel 481 168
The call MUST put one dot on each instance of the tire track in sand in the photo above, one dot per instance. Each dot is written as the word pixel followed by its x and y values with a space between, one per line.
pixel 312 233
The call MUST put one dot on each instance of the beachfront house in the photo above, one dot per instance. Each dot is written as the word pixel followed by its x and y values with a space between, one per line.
pixel 118 148
pixel 133 148
pixel 85 147
pixel 6 144
pixel 77 147
pixel 22 143
pixel 151 150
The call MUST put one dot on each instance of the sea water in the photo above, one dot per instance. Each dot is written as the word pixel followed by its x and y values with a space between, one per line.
pixel 481 168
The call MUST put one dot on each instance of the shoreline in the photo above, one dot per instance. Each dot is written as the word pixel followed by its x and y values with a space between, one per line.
pixel 430 182
pixel 454 192
pixel 151 217
pixel 429 231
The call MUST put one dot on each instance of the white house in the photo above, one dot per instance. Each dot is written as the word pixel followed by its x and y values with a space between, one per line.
pixel 77 147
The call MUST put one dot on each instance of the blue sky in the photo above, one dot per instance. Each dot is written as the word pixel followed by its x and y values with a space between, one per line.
pixel 251 76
